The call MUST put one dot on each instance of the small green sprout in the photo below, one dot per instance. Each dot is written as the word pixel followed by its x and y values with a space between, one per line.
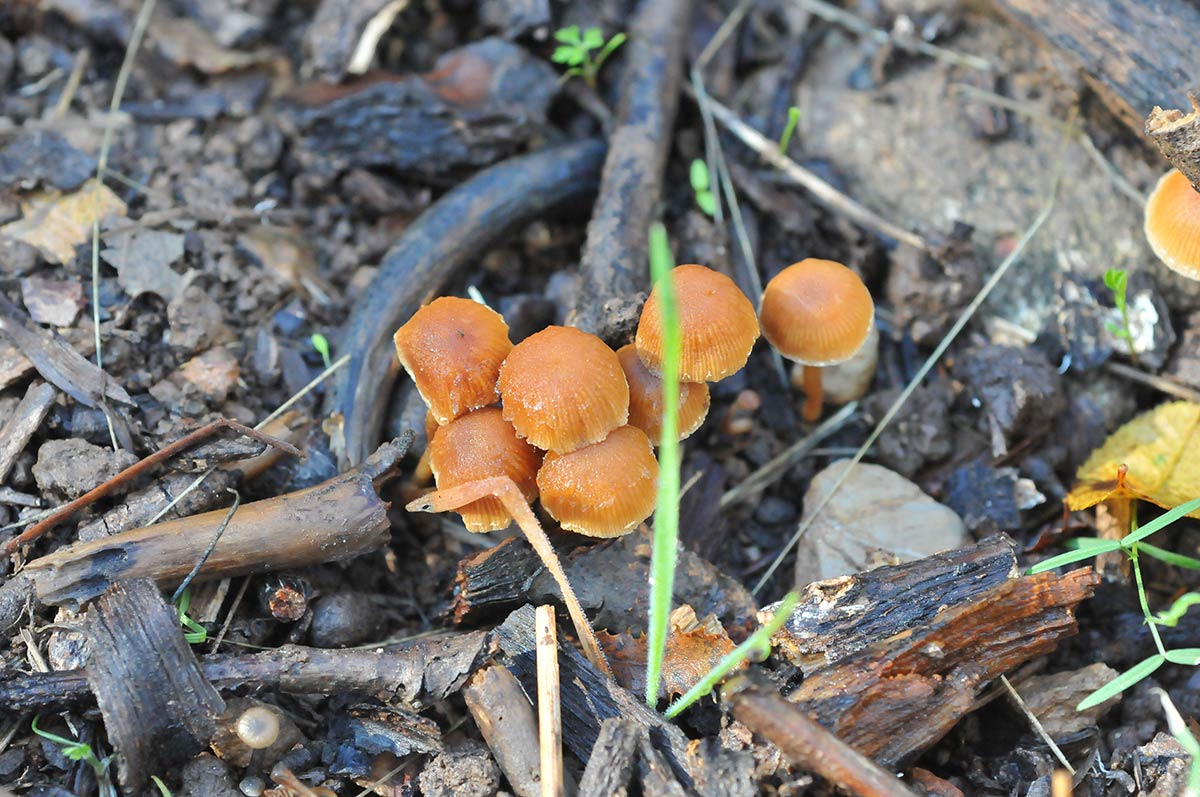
pixel 577 51
pixel 702 187
pixel 75 750
pixel 162 787
pixel 1187 740
pixel 786 138
pixel 1117 281
pixel 321 344
pixel 758 646
pixel 196 633
pixel 1171 617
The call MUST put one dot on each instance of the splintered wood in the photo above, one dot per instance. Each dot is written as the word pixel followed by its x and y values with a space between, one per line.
pixel 894 657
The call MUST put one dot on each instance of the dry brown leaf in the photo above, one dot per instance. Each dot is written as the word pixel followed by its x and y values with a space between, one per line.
pixel 1155 457
pixel 56 223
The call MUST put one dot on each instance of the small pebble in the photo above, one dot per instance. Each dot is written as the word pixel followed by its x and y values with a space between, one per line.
pixel 773 510
pixel 252 786
pixel 343 619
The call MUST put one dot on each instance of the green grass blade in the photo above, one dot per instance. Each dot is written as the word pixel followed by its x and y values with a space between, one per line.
pixel 1186 656
pixel 1173 614
pixel 666 513
pixel 1161 522
pixel 759 640
pixel 1122 682
pixel 1071 557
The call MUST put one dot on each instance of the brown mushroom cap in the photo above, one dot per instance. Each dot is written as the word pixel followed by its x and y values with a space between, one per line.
pixel 1173 224
pixel 717 323
pixel 646 398
pixel 452 348
pixel 563 389
pixel 479 445
pixel 605 489
pixel 817 312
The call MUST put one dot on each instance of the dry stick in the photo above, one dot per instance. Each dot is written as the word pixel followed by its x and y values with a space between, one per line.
pixel 25 420
pixel 1159 383
pixel 966 315
pixel 549 708
pixel 137 469
pixel 805 743
pixel 506 491
pixel 825 193
pixel 1037 724
pixel 908 43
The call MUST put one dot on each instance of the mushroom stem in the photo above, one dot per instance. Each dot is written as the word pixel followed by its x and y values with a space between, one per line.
pixel 423 472
pixel 506 490
pixel 1177 135
pixel 814 397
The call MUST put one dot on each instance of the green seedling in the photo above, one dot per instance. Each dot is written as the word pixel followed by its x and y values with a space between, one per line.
pixel 195 633
pixel 786 137
pixel 321 344
pixel 75 750
pixel 162 787
pixel 758 647
pixel 584 53
pixel 702 187
pixel 1117 281
pixel 1187 740
pixel 666 512
pixel 1132 545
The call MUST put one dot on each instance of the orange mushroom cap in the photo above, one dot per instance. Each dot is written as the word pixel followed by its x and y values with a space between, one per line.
pixel 479 445
pixel 452 348
pixel 563 389
pixel 646 398
pixel 605 489
pixel 717 323
pixel 1173 224
pixel 817 312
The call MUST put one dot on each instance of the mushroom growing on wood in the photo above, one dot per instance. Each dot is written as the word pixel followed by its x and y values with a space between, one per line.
pixel 817 313
pixel 1172 220
pixel 646 398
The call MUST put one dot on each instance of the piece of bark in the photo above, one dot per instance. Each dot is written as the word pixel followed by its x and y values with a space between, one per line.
pixel 901 694
pixel 56 361
pixel 412 674
pixel 610 763
pixel 1121 47
pixel 25 420
pixel 505 717
pixel 159 710
pixel 806 744
pixel 614 264
pixel 337 519
pixel 1177 136
pixel 655 774
pixel 451 234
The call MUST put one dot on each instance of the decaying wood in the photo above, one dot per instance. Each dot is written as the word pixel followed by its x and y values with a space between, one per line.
pixel 901 693
pixel 165 453
pixel 613 268
pixel 549 715
pixel 337 519
pixel 452 233
pixel 159 710
pixel 504 716
pixel 412 674
pixel 1132 53
pixel 806 744
pixel 25 420
pixel 655 773
pixel 1177 136
pixel 610 763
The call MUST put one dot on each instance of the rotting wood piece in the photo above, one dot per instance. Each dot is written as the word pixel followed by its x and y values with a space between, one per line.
pixel 610 763
pixel 805 743
pixel 25 420
pixel 613 267
pixel 1177 136
pixel 337 519
pixel 413 674
pixel 158 708
pixel 901 694
pixel 505 717
pixel 1121 47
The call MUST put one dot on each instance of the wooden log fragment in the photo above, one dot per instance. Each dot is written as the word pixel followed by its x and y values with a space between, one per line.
pixel 1134 54
pixel 25 420
pixel 1177 136
pixel 505 717
pixel 610 763
pixel 656 775
pixel 159 710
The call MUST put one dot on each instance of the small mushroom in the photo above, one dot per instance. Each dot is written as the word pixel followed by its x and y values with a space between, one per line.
pixel 646 398
pixel 452 348
pixel 563 389
pixel 716 320
pixel 1172 224
pixel 605 489
pixel 479 445
pixel 817 313
pixel 258 727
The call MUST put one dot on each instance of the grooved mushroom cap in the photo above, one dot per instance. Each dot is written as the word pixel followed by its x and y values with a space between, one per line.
pixel 452 348
pixel 817 312
pixel 563 389
pixel 479 445
pixel 646 398
pixel 1173 224
pixel 605 489
pixel 717 323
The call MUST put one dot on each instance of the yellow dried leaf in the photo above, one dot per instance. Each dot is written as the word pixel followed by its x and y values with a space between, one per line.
pixel 1160 454
pixel 56 223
